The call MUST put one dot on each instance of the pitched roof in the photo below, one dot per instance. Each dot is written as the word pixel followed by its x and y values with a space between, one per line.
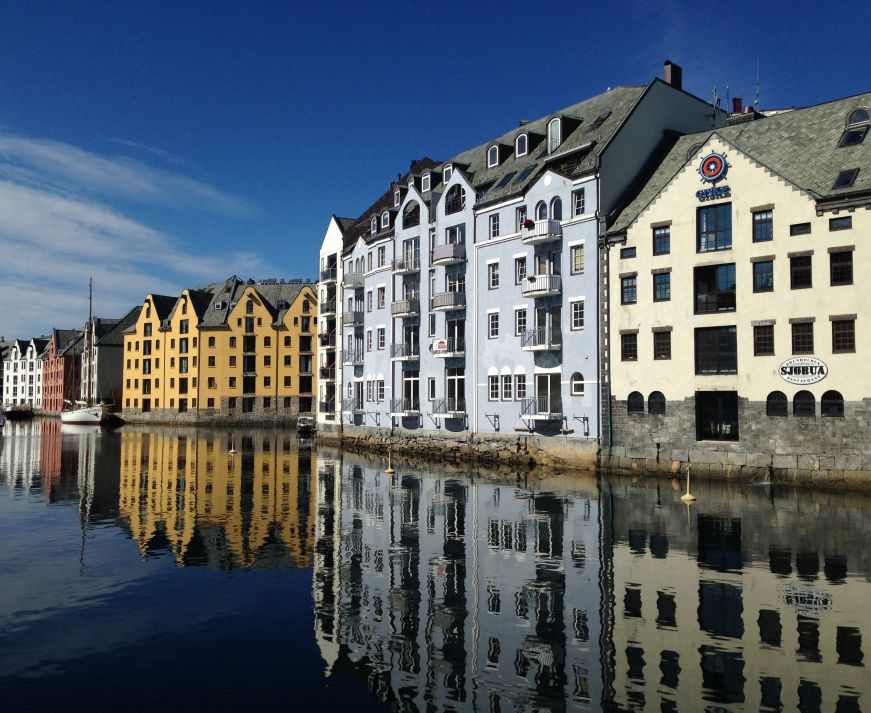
pixel 277 296
pixel 163 305
pixel 63 337
pixel 76 346
pixel 800 146
pixel 114 336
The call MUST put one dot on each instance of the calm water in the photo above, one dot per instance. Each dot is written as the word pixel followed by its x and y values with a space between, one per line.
pixel 155 570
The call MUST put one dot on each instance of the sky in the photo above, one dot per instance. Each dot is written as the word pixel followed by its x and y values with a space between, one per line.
pixel 163 145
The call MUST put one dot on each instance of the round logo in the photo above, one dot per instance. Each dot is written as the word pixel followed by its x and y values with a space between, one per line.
pixel 803 370
pixel 713 167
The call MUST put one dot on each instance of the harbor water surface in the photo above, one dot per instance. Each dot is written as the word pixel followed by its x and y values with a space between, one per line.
pixel 210 570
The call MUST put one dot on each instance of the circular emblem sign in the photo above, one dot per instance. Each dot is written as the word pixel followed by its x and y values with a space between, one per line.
pixel 803 370
pixel 713 167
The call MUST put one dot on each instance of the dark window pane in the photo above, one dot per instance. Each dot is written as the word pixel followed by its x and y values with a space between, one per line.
pixel 800 272
pixel 632 602
pixel 849 646
pixel 832 404
pixel 780 561
pixel 846 178
pixel 719 542
pixel 656 401
pixel 635 402
pixel 803 338
pixel 635 659
pixel 808 640
pixel 662 240
pixel 723 674
pixel 714 228
pixel 841 268
pixel 666 609
pixel 763 276
pixel 800 229
pixel 715 288
pixel 717 415
pixel 810 697
pixel 843 335
pixel 835 568
pixel 804 404
pixel 842 223
pixel 763 226
pixel 770 688
pixel 716 350
pixel 629 347
pixel 720 609
pixel 770 630
pixel 763 339
pixel 669 665
pixel 776 404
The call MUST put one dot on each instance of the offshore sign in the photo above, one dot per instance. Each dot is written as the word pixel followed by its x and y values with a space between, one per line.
pixel 803 370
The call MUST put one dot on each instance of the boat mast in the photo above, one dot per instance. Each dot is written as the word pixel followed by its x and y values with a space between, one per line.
pixel 88 339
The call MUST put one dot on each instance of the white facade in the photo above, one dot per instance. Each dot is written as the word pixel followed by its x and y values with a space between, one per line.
pixel 22 374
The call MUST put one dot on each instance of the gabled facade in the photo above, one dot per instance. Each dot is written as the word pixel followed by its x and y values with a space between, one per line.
pixel 22 373
pixel 103 360
pixel 61 369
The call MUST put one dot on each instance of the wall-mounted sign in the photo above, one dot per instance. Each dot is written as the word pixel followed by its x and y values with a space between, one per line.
pixel 440 345
pixel 803 370
pixel 713 167
pixel 711 194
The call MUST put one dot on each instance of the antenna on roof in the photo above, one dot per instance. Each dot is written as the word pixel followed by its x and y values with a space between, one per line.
pixel 715 98
pixel 756 102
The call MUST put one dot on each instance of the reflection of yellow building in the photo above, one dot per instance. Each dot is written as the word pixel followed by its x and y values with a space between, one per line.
pixel 231 349
pixel 187 493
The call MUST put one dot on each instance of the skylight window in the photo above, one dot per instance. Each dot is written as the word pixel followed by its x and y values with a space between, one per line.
pixel 521 145
pixel 506 179
pixel 598 122
pixel 524 174
pixel 846 178
pixel 492 157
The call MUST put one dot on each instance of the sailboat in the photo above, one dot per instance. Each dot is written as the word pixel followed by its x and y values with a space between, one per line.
pixel 84 412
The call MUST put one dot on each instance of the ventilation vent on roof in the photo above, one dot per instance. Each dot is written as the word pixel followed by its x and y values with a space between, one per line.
pixel 220 304
pixel 233 303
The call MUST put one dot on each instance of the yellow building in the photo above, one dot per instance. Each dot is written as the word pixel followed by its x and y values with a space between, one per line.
pixel 239 350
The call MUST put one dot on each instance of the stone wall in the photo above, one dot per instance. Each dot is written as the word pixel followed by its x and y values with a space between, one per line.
pixel 276 414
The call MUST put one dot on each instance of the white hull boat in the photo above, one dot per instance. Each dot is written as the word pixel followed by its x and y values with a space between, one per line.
pixel 84 415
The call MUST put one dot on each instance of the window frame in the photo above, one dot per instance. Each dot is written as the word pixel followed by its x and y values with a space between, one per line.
pixel 517 152
pixel 721 212
pixel 629 289
pixel 492 325
pixel 577 309
pixel 493 276
pixel 840 333
pixel 629 346
pixel 579 202
pixel 759 285
pixel 660 295
pixel 763 335
pixel 661 345
pixel 802 334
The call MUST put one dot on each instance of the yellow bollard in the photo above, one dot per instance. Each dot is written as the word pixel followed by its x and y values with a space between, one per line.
pixel 688 497
pixel 389 469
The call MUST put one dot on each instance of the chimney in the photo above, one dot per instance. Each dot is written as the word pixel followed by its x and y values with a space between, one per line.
pixel 673 74
pixel 736 105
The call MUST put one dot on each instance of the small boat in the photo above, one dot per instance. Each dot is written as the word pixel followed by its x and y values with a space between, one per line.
pixel 80 413
pixel 305 426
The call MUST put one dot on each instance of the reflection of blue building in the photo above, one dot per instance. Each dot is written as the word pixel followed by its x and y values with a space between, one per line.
pixel 452 591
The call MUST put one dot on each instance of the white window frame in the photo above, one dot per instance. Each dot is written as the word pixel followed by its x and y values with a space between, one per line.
pixel 424 183
pixel 494 225
pixel 519 321
pixel 374 224
pixel 493 391
pixel 382 256
pixel 382 296
pixel 493 325
pixel 431 388
pixel 577 325
pixel 574 383
pixel 520 216
pixel 380 390
pixel 432 325
pixel 382 338
pixel 493 275
pixel 573 249
pixel 385 219
pixel 519 269
pixel 507 384
pixel 517 151
pixel 554 134
pixel 396 195
pixel 520 387
pixel 493 156
pixel 448 171
pixel 579 200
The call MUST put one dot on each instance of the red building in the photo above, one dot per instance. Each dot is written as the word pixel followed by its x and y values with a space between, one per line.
pixel 61 369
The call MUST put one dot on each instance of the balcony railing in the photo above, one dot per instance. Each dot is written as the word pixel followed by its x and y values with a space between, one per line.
pixel 352 405
pixel 327 373
pixel 327 406
pixel 352 357
pixel 406 264
pixel 352 319
pixel 352 279
pixel 450 408
pixel 541 339
pixel 721 301
pixel 328 340
pixel 404 407
pixel 407 352
pixel 451 347
pixel 447 254
pixel 328 307
pixel 444 301
pixel 328 275
pixel 406 308
pixel 541 231
pixel 541 285
pixel 544 408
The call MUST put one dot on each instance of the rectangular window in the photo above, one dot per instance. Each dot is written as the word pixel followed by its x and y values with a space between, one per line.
pixel 507 381
pixel 841 268
pixel 432 325
pixel 382 256
pixel 577 259
pixel 370 390
pixel 627 253
pixel 842 223
pixel 803 338
pixel 843 335
pixel 380 390
pixel 714 228
pixel 493 275
pixel 577 308
pixel 381 337
pixel 368 340
pixel 382 291
pixel 763 226
pixel 431 388
pixel 662 240
pixel 369 262
pixel 369 301
pixel 629 347
pixel 716 350
pixel 717 415
pixel 800 272
pixel 494 225
pixel 519 270
pixel 519 322
pixel 520 217
pixel 763 339
pixel 493 325
pixel 493 382
pixel 578 202
pixel 662 345
pixel 662 287
pixel 628 290
pixel 715 288
pixel 763 276
pixel 800 229
pixel 520 386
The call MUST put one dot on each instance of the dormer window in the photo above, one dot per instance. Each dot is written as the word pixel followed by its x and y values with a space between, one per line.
pixel 554 135
pixel 411 181
pixel 385 220
pixel 396 197
pixel 492 157
pixel 448 171
pixel 857 127
pixel 424 182
pixel 374 225
pixel 521 145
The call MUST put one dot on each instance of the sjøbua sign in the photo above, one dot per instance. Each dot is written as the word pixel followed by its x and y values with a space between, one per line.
pixel 803 370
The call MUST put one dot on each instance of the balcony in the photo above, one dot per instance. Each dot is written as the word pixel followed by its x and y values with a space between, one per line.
pixel 327 373
pixel 449 408
pixel 445 301
pixel 541 339
pixel 352 319
pixel 405 352
pixel 328 275
pixel 406 265
pixel 404 407
pixel 541 286
pixel 542 408
pixel 354 358
pixel 541 231
pixel 352 405
pixel 447 254
pixel 406 308
pixel 326 406
pixel 328 307
pixel 352 280
pixel 447 348
pixel 328 340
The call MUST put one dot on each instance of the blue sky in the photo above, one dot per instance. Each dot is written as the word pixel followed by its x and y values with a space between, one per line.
pixel 166 144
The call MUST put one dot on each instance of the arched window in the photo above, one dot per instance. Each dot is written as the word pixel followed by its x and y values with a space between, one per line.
pixel 554 135
pixel 858 122
pixel 425 182
pixel 541 211
pixel 447 172
pixel 804 404
pixel 492 156
pixel 521 145
pixel 556 209
pixel 858 116
pixel 776 404
pixel 656 403
pixel 373 225
pixel 455 200
pixel 577 384
pixel 249 307
pixel 832 404
pixel 385 219
pixel 411 215
pixel 635 402
pixel 396 197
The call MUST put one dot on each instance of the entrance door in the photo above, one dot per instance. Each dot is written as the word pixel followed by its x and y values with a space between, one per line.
pixel 548 399
pixel 455 388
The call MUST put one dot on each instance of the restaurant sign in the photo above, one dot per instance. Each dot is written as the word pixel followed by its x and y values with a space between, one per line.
pixel 803 370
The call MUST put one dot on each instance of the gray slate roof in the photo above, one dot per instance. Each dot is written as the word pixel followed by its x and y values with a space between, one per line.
pixel 800 146
pixel 113 329
pixel 224 295
pixel 76 346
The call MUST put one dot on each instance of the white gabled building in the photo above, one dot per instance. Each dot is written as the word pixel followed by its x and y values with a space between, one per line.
pixel 22 373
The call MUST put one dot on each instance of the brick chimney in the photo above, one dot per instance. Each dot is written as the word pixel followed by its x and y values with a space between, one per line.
pixel 672 74
pixel 736 105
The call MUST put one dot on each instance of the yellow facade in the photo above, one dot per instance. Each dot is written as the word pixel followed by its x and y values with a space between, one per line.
pixel 144 360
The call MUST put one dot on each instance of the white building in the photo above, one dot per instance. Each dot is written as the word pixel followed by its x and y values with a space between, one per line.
pixel 22 373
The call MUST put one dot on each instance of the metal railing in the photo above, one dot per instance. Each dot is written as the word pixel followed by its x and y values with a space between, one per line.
pixel 453 347
pixel 547 407
pixel 328 307
pixel 541 338
pixel 408 306
pixel 327 406
pixel 352 279
pixel 405 351
pixel 352 357
pixel 541 285
pixel 404 406
pixel 327 372
pixel 328 339
pixel 328 275
pixel 407 263
pixel 541 231
pixel 449 406
pixel 352 319
pixel 452 252
pixel 448 300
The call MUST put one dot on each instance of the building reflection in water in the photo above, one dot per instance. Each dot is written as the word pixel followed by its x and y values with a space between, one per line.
pixel 187 494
